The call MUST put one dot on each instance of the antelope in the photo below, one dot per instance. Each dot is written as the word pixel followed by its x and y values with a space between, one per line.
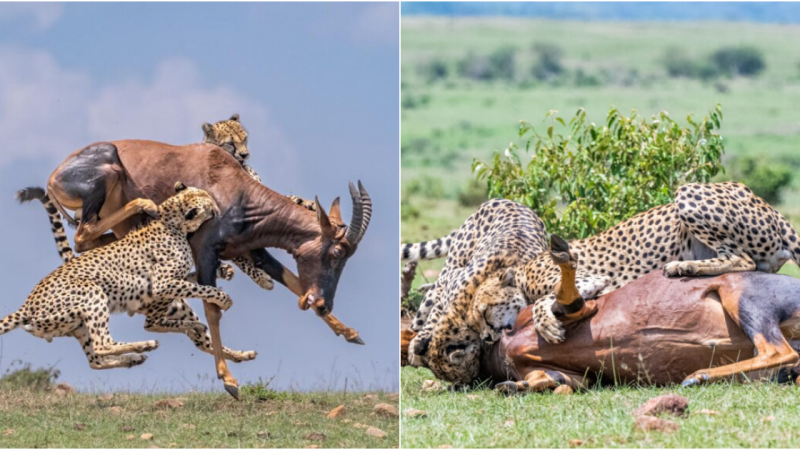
pixel 109 185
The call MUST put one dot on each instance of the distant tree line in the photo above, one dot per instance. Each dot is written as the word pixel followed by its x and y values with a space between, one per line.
pixel 543 62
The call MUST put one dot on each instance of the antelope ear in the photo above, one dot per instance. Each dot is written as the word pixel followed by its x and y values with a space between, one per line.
pixel 208 130
pixel 179 186
pixel 336 213
pixel 324 221
pixel 508 279
pixel 235 118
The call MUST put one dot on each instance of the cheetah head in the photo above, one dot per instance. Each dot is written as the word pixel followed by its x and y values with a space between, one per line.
pixel 188 209
pixel 229 135
pixel 497 304
pixel 453 353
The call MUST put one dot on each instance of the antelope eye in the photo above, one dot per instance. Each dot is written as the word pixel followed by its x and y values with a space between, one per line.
pixel 337 252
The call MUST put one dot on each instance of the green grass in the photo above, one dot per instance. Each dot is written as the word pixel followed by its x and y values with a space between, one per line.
pixel 452 121
pixel 601 417
pixel 31 419
pixel 445 124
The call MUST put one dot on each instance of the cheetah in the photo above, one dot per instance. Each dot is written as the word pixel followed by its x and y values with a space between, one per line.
pixel 500 234
pixel 145 272
pixel 709 229
pixel 231 136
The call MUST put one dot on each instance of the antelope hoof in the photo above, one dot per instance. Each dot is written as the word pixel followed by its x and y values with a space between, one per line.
pixel 506 388
pixel 233 390
pixel 355 340
pixel 694 380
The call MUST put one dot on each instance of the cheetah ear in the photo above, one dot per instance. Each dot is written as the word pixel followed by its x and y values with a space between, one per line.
pixel 179 186
pixel 508 279
pixel 235 118
pixel 208 130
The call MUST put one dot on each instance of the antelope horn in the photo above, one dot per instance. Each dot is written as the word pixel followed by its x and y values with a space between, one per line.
pixel 354 230
pixel 367 209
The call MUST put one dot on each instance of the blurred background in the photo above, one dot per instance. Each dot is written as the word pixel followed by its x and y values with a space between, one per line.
pixel 472 71
pixel 316 87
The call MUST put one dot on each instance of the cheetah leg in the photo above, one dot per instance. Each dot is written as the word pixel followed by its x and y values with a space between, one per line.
pixel 184 320
pixel 96 323
pixel 541 380
pixel 175 288
pixel 224 272
pixel 99 362
pixel 260 277
pixel 726 262
pixel 92 229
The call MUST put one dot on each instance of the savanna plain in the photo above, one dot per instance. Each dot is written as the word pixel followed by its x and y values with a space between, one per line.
pixel 467 83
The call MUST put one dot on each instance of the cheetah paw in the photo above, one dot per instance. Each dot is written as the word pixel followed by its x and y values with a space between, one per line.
pixel 680 268
pixel 549 328
pixel 238 357
pixel 135 360
pixel 266 282
pixel 225 272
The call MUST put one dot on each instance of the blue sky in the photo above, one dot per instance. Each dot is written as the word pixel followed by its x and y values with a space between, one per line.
pixel 317 87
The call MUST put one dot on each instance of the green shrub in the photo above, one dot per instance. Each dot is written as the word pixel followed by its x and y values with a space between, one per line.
pixel 474 194
pixel 498 65
pixel 766 179
pixel 592 177
pixel 547 63
pixel 743 61
pixel 261 390
pixel 410 304
pixel 27 378
pixel 424 185
pixel 434 70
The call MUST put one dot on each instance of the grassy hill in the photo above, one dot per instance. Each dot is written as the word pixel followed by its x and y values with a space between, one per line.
pixel 37 413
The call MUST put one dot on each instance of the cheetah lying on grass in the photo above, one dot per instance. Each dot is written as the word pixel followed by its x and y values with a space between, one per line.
pixel 710 229
pixel 144 272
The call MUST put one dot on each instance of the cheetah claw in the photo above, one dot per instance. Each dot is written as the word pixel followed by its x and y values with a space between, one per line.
pixel 506 388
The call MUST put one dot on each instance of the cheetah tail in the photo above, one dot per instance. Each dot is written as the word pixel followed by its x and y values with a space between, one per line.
pixel 56 224
pixel 427 250
pixel 10 322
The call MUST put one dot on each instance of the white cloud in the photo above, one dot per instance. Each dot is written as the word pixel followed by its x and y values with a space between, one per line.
pixel 43 15
pixel 47 111
pixel 378 22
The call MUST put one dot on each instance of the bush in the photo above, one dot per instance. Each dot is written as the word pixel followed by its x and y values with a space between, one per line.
pixel 728 61
pixel 261 390
pixel 474 194
pixel 679 65
pixel 743 61
pixel 547 63
pixel 425 185
pixel 29 379
pixel 434 70
pixel 765 179
pixel 498 65
pixel 593 177
pixel 410 304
